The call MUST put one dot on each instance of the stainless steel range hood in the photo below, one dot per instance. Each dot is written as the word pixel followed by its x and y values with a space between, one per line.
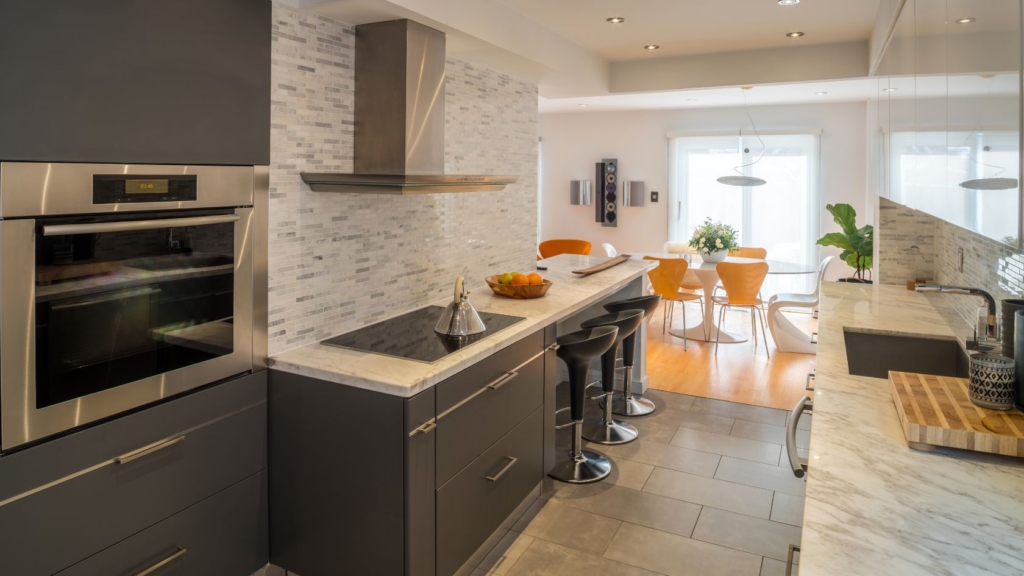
pixel 399 117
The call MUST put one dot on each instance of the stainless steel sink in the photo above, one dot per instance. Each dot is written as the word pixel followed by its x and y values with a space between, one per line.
pixel 179 262
pixel 874 354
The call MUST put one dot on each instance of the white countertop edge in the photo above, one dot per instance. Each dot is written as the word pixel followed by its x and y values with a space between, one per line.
pixel 406 378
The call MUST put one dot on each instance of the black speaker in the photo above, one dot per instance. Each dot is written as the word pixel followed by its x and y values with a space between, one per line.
pixel 606 208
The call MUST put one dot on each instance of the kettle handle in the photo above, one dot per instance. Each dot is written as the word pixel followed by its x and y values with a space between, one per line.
pixel 459 289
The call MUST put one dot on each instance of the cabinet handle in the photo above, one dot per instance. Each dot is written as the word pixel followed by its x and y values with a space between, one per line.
pixel 499 382
pixel 799 467
pixel 810 376
pixel 789 559
pixel 814 337
pixel 424 428
pixel 98 227
pixel 147 450
pixel 511 462
pixel 181 552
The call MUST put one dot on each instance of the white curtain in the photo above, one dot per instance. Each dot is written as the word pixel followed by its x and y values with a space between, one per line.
pixel 781 216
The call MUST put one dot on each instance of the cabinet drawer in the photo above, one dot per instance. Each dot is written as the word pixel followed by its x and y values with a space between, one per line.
pixel 474 504
pixel 63 522
pixel 481 404
pixel 224 535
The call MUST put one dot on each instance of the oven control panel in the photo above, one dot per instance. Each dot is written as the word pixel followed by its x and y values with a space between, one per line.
pixel 122 188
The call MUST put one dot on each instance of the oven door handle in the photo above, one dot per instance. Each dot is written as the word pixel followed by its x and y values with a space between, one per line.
pixel 127 226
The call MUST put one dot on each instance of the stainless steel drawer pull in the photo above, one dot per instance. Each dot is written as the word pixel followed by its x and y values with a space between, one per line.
pixel 147 450
pixel 181 552
pixel 498 383
pixel 425 428
pixel 814 337
pixel 511 462
pixel 128 226
pixel 810 376
pixel 799 465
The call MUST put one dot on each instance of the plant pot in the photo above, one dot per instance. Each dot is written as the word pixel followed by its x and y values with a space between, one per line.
pixel 855 281
pixel 714 257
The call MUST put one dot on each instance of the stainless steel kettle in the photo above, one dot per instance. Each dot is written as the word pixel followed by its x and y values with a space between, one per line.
pixel 459 318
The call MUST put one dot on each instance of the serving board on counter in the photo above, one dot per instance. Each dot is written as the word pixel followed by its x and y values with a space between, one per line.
pixel 936 411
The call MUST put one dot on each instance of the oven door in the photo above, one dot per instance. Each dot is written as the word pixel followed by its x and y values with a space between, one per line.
pixel 104 314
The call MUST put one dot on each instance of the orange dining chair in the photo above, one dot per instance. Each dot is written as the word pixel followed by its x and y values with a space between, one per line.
pixel 742 285
pixel 666 280
pixel 747 252
pixel 552 248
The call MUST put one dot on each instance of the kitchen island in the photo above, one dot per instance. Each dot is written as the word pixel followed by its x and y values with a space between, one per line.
pixel 388 465
pixel 875 506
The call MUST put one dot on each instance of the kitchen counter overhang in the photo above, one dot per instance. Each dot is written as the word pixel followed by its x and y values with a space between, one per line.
pixel 875 506
pixel 569 294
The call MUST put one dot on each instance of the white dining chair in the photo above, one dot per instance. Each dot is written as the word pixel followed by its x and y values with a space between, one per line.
pixel 789 338
pixel 609 250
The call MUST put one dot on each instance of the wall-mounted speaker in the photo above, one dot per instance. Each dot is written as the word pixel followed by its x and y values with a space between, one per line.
pixel 607 176
pixel 579 192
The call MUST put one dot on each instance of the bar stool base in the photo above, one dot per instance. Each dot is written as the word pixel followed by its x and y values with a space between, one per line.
pixel 617 432
pixel 591 467
pixel 635 406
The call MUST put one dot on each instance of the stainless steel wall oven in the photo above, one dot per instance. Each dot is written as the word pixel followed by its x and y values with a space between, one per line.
pixel 120 285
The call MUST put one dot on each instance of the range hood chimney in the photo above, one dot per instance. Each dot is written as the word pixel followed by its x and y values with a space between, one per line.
pixel 399 117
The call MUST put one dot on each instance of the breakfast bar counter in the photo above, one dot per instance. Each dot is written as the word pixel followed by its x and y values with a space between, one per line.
pixel 875 506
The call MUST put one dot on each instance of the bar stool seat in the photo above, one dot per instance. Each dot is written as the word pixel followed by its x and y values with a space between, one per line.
pixel 578 350
pixel 625 403
pixel 607 430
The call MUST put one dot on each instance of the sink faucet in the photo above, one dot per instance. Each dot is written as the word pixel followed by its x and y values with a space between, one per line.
pixel 993 332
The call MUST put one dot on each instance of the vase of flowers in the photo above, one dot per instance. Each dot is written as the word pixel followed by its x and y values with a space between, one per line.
pixel 713 240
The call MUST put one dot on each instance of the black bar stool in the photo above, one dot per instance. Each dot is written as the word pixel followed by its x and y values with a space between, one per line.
pixel 625 403
pixel 606 430
pixel 578 350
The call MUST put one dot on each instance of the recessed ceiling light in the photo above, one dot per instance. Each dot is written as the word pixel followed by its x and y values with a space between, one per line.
pixel 746 87
pixel 788 2
pixel 615 20
pixel 583 105
pixel 794 34
pixel 651 47
pixel 820 93
pixel 889 89
pixel 965 21
pixel 691 99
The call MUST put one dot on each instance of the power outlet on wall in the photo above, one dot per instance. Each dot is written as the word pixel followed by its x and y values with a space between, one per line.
pixel 654 195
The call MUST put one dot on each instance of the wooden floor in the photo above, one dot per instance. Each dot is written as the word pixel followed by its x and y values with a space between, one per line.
pixel 737 373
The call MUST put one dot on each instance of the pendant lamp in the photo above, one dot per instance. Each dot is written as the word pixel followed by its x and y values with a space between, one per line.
pixel 740 179
pixel 993 182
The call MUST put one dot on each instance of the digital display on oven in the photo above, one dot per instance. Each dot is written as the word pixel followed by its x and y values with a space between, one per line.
pixel 146 186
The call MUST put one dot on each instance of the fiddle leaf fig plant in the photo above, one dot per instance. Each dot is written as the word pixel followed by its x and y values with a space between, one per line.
pixel 857 244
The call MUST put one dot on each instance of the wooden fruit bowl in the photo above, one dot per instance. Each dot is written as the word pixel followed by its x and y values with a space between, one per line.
pixel 519 292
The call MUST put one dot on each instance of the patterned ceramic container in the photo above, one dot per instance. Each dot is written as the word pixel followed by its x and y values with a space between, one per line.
pixel 993 381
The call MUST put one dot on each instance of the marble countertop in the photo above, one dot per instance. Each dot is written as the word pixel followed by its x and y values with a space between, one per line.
pixel 873 505
pixel 568 294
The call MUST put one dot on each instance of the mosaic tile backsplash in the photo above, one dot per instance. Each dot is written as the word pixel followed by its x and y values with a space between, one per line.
pixel 913 244
pixel 340 261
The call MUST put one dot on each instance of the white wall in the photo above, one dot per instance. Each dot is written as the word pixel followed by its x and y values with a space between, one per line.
pixel 573 142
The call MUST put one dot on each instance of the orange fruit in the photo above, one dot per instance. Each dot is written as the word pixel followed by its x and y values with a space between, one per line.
pixel 520 280
pixel 536 279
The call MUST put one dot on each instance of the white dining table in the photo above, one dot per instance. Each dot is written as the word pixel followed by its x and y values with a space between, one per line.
pixel 707 275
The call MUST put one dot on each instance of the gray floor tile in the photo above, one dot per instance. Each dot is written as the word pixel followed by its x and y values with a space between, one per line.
pixel 643 508
pixel 552 489
pixel 742 532
pixel 664 455
pixel 710 492
pixel 805 421
pixel 769 433
pixel 727 445
pixel 555 522
pixel 697 421
pixel 549 559
pixel 740 411
pixel 506 553
pixel 629 474
pixel 784 456
pixel 770 567
pixel 655 429
pixel 788 509
pixel 677 556
pixel 778 478
pixel 671 399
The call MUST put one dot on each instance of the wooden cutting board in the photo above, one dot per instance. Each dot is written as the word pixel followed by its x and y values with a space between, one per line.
pixel 936 411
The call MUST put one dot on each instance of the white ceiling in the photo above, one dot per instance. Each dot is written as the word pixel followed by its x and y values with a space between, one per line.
pixel 684 27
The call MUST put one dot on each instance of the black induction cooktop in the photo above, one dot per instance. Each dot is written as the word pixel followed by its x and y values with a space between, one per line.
pixel 412 335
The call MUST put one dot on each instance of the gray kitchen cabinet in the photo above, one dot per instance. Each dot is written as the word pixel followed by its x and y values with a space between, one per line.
pixel 135 81
pixel 71 497
pixel 363 482
pixel 225 534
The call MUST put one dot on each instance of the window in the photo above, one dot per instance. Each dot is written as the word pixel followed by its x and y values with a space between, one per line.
pixel 780 216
